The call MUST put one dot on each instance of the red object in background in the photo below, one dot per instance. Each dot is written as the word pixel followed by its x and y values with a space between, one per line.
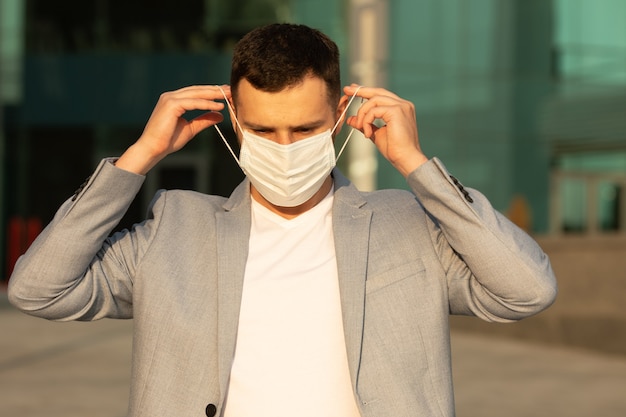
pixel 20 234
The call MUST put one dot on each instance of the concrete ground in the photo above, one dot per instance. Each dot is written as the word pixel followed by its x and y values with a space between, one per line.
pixel 82 369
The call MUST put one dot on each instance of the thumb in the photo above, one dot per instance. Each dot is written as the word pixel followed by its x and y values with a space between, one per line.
pixel 205 120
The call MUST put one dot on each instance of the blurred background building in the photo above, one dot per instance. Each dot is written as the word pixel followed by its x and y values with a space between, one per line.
pixel 522 99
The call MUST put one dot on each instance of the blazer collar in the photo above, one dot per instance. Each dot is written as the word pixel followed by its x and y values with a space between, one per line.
pixel 239 198
pixel 351 225
pixel 233 235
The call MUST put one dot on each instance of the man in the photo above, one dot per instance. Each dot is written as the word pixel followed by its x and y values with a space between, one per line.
pixel 298 295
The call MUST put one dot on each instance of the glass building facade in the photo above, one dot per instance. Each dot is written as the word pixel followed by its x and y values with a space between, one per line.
pixel 521 99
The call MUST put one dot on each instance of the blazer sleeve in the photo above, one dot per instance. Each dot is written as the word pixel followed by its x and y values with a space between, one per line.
pixel 73 271
pixel 494 270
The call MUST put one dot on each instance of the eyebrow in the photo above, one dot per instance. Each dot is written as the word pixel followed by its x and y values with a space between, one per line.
pixel 309 125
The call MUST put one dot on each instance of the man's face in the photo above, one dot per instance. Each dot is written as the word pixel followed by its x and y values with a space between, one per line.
pixel 287 116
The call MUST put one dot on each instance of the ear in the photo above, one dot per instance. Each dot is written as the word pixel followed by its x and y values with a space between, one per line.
pixel 233 118
pixel 343 103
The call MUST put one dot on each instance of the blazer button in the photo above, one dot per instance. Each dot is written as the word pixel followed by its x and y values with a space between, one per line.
pixel 461 189
pixel 211 410
pixel 81 188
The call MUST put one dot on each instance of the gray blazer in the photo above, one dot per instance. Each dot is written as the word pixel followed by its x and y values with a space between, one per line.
pixel 404 264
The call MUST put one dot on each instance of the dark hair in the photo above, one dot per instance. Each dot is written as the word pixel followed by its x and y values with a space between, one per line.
pixel 280 55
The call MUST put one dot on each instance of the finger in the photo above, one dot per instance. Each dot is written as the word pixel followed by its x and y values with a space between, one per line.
pixel 386 114
pixel 364 113
pixel 205 120
pixel 208 92
pixel 225 91
pixel 382 100
pixel 373 129
pixel 367 129
pixel 353 122
pixel 392 106
pixel 181 105
pixel 208 117
pixel 368 92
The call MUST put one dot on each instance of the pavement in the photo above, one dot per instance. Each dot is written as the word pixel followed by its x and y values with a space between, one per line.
pixel 82 369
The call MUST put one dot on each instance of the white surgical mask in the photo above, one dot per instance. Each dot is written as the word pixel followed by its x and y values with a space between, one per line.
pixel 287 175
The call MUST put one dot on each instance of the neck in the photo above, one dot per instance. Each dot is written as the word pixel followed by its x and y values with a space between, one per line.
pixel 293 212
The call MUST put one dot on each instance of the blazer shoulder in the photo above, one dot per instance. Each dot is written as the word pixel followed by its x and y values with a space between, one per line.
pixel 184 201
pixel 390 198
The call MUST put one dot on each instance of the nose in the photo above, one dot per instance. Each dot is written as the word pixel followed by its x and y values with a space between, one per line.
pixel 283 138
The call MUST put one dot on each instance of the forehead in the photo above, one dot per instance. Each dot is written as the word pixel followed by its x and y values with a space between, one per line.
pixel 307 100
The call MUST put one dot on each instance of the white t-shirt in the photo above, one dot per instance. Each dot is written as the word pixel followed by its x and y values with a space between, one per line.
pixel 290 358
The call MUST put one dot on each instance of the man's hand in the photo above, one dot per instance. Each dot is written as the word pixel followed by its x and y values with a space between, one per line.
pixel 167 131
pixel 397 140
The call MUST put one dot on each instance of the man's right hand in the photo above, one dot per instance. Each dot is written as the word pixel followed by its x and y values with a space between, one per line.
pixel 167 131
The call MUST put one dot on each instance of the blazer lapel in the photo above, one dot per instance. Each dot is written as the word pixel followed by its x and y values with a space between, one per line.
pixel 351 225
pixel 233 233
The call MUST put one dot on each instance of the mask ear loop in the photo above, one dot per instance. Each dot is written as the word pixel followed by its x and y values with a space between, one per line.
pixel 232 112
pixel 337 124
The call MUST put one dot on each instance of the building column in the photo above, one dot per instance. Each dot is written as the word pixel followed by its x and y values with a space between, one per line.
pixel 368 67
pixel 532 71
